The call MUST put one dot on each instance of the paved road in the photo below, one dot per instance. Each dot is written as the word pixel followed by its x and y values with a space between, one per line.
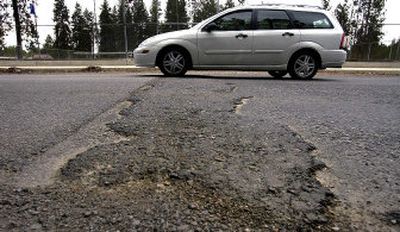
pixel 216 150
pixel 39 111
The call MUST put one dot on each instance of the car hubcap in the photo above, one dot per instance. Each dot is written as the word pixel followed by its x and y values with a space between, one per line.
pixel 304 66
pixel 174 62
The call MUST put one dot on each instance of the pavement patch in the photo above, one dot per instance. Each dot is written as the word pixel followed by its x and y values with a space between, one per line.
pixel 43 171
pixel 239 103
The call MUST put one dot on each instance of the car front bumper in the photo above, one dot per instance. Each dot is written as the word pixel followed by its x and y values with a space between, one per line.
pixel 145 57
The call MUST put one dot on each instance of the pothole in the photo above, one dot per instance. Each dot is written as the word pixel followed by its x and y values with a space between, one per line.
pixel 239 103
pixel 42 171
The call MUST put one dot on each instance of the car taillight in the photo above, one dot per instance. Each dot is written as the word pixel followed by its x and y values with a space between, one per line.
pixel 343 42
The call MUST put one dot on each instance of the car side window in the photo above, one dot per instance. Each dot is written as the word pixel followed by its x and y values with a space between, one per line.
pixel 311 20
pixel 272 19
pixel 235 21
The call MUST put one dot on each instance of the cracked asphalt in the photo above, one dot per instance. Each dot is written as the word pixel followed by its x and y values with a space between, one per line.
pixel 212 151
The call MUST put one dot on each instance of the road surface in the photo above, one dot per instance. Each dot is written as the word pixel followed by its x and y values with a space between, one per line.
pixel 212 151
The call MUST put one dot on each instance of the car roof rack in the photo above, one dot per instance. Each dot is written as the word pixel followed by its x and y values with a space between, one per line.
pixel 288 5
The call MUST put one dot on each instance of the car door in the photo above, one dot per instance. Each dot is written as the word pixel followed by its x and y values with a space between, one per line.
pixel 274 37
pixel 230 41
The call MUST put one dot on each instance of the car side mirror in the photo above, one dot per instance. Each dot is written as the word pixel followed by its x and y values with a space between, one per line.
pixel 210 27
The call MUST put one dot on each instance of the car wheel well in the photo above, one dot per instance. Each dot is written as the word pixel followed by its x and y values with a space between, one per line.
pixel 170 47
pixel 307 51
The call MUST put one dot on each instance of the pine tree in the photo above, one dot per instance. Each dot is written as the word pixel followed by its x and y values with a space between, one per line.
pixel 155 14
pixel 5 22
pixel 373 17
pixel 370 15
pixel 155 11
pixel 62 28
pixel 82 29
pixel 48 43
pixel 194 10
pixel 78 27
pixel 120 29
pixel 207 9
pixel 28 29
pixel 242 2
pixel 176 13
pixel 342 13
pixel 229 4
pixel 107 36
pixel 326 4
pixel 91 31
pixel 141 22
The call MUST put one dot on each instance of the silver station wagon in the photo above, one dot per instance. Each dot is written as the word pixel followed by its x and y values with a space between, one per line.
pixel 280 39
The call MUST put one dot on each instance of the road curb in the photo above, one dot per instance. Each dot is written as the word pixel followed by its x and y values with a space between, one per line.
pixel 136 69
pixel 69 69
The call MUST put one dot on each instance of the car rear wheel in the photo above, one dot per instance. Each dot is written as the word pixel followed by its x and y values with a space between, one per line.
pixel 173 63
pixel 278 74
pixel 303 66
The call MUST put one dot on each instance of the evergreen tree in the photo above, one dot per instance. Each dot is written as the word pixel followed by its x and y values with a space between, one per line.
pixel 155 14
pixel 28 29
pixel 242 2
pixel 207 9
pixel 141 22
pixel 5 22
pixel 78 27
pixel 342 13
pixel 132 29
pixel 62 28
pixel 114 14
pixel 373 16
pixel 155 11
pixel 121 23
pixel 195 9
pixel 107 19
pixel 176 13
pixel 370 15
pixel 48 43
pixel 326 4
pixel 229 4
pixel 91 31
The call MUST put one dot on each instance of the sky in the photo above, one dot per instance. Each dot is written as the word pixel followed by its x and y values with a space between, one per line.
pixel 44 11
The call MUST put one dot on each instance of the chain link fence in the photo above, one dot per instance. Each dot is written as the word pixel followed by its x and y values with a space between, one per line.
pixel 119 46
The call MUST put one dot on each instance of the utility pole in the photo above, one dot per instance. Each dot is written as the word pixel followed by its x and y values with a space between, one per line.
pixel 17 29
pixel 125 30
pixel 37 37
pixel 177 14
pixel 391 49
pixel 94 33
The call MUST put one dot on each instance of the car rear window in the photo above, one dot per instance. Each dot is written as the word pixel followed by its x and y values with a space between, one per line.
pixel 311 20
pixel 272 19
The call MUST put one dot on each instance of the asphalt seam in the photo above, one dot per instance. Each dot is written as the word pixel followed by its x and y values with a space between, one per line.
pixel 95 132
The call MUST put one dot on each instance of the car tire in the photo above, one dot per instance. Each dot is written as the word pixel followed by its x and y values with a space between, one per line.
pixel 303 66
pixel 278 74
pixel 173 62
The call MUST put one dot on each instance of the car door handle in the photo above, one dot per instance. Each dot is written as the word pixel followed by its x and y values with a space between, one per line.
pixel 241 36
pixel 287 34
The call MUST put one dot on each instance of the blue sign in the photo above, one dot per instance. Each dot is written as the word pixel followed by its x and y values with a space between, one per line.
pixel 32 9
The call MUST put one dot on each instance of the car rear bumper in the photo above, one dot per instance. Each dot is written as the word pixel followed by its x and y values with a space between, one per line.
pixel 333 58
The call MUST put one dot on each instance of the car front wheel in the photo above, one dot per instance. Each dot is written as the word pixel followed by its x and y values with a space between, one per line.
pixel 303 66
pixel 173 63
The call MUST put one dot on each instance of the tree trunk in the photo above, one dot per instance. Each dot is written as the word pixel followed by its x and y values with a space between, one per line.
pixel 17 29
